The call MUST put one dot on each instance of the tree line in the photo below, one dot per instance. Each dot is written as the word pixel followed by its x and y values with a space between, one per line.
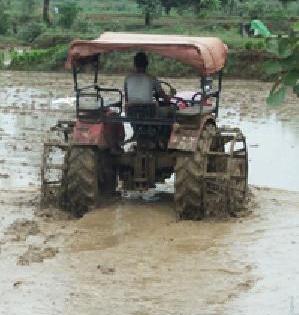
pixel 153 8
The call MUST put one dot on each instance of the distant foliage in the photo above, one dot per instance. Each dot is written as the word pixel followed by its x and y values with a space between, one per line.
pixel 31 31
pixel 28 7
pixel 40 59
pixel 4 18
pixel 68 12
pixel 254 45
pixel 169 4
pixel 150 8
pixel 82 25
pixel 198 5
pixel 229 6
pixel 284 71
pixel 255 8
pixel 286 2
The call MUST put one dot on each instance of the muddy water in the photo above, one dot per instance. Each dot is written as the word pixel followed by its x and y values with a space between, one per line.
pixel 131 257
pixel 272 133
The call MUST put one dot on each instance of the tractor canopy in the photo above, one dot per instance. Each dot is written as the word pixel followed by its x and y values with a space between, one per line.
pixel 205 54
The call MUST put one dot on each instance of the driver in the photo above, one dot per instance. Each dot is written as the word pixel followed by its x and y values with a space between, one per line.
pixel 140 86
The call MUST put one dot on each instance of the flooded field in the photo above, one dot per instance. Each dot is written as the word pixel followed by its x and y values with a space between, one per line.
pixel 132 257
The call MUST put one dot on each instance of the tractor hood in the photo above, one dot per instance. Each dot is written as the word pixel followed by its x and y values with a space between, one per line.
pixel 205 54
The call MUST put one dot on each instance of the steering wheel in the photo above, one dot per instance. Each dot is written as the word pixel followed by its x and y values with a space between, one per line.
pixel 171 88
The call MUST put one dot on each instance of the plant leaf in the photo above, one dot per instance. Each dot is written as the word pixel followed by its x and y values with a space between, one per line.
pixel 291 78
pixel 285 48
pixel 272 46
pixel 295 27
pixel 272 67
pixel 296 89
pixel 277 97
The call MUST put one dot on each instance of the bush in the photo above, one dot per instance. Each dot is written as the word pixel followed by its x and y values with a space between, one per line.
pixel 82 25
pixel 50 39
pixel 40 59
pixel 31 31
pixel 248 45
pixel 259 45
pixel 254 9
pixel 68 12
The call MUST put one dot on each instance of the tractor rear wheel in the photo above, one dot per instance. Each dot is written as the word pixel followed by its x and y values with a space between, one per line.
pixel 81 180
pixel 214 180
pixel 189 185
pixel 88 177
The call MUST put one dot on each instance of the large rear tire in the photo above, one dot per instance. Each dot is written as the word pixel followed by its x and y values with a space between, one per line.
pixel 213 181
pixel 89 176
pixel 81 180
pixel 189 185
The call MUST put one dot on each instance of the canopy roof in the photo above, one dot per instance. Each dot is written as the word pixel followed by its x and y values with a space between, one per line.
pixel 206 54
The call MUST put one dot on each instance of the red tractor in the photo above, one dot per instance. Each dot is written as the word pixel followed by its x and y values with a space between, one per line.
pixel 210 163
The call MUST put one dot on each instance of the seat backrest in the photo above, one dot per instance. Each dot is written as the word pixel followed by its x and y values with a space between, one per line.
pixel 139 88
pixel 142 111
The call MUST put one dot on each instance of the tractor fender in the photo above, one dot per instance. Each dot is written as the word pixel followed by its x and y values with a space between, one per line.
pixel 102 135
pixel 185 138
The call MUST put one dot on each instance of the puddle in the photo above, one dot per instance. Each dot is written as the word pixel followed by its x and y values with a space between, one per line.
pixel 273 148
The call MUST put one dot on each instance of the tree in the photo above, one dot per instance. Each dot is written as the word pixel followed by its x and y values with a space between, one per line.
pixel 284 69
pixel 68 12
pixel 26 11
pixel 198 5
pixel 4 18
pixel 285 2
pixel 228 5
pixel 28 7
pixel 46 12
pixel 150 9
pixel 169 4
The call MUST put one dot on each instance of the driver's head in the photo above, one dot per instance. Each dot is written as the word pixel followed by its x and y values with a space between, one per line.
pixel 141 62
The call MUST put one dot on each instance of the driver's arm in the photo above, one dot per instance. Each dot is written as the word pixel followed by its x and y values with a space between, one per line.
pixel 160 93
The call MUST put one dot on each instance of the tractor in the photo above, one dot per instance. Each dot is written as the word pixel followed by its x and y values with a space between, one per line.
pixel 180 137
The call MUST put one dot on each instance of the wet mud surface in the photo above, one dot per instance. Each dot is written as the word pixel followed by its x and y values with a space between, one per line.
pixel 131 256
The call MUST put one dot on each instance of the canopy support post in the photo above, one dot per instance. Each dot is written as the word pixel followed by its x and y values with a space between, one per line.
pixel 204 94
pixel 75 76
pixel 96 74
pixel 218 93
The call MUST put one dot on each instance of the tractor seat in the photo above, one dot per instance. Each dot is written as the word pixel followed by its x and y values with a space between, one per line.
pixel 142 111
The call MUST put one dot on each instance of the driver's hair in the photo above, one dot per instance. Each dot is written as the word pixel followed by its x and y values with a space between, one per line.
pixel 141 60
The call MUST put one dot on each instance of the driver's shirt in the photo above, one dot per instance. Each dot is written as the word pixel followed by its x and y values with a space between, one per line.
pixel 140 88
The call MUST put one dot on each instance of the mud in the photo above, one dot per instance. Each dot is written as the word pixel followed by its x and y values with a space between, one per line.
pixel 35 254
pixel 20 229
pixel 131 256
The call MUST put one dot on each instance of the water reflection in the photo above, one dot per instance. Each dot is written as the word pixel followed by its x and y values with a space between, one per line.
pixel 273 147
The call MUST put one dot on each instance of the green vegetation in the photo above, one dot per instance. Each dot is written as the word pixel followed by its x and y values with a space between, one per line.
pixel 48 26
pixel 39 59
pixel 285 68
pixel 68 12
pixel 150 9
pixel 4 23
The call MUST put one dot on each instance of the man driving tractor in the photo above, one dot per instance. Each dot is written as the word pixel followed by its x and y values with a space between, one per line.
pixel 140 87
